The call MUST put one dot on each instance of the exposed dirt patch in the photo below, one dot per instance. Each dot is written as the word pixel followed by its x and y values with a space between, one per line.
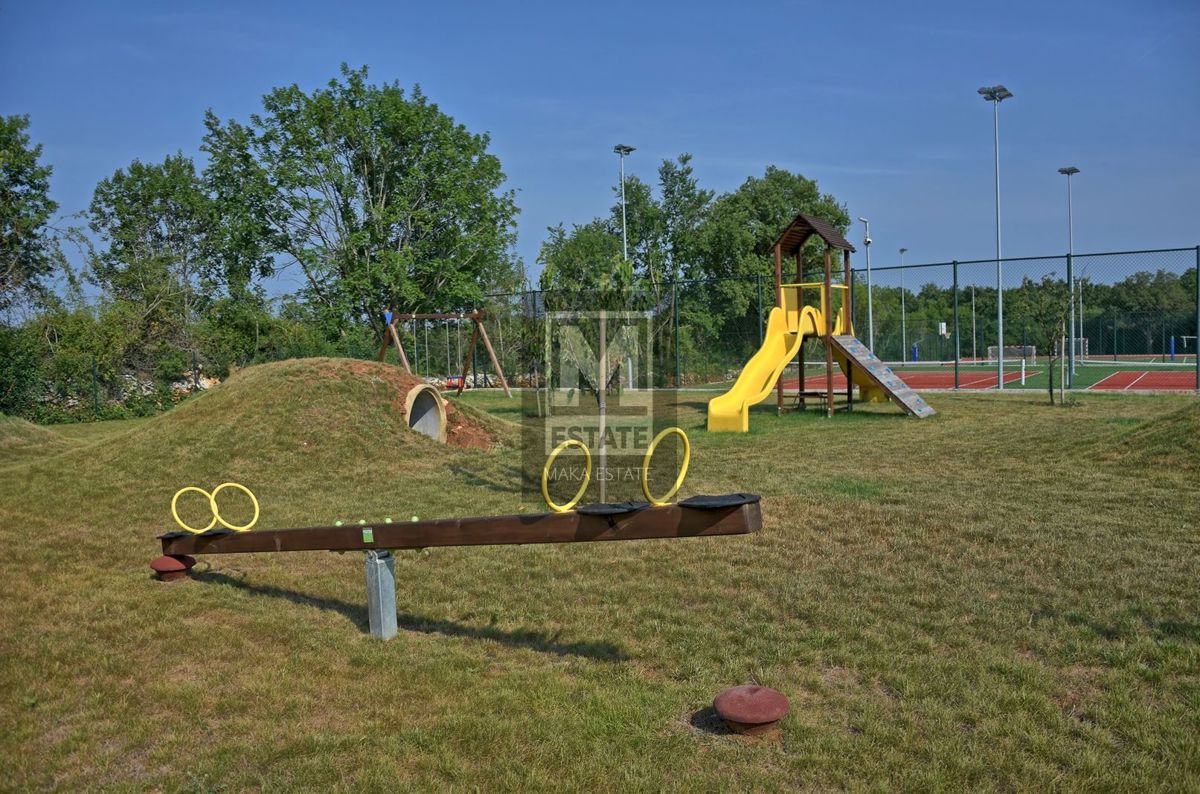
pixel 461 430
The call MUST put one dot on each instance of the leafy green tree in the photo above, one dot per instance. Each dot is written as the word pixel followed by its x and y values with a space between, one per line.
pixel 587 260
pixel 732 254
pixel 153 222
pixel 379 197
pixel 20 369
pixel 28 246
pixel 718 245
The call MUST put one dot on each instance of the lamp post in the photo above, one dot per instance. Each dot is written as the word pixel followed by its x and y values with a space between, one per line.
pixel 1068 172
pixel 903 314
pixel 621 150
pixel 997 94
pixel 870 301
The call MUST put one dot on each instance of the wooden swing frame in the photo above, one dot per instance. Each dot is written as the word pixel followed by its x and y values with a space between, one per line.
pixel 391 336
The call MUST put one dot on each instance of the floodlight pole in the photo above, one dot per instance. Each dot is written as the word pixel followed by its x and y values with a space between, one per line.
pixel 997 94
pixel 903 313
pixel 621 150
pixel 602 385
pixel 870 299
pixel 1068 172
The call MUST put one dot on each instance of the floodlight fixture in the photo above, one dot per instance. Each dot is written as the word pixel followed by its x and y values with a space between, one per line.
pixel 621 150
pixel 995 93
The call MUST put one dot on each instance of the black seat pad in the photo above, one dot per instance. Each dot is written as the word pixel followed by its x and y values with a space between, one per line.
pixel 720 501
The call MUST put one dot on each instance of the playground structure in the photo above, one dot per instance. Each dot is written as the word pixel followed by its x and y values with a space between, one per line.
pixel 391 336
pixel 656 518
pixel 791 322
pixel 699 516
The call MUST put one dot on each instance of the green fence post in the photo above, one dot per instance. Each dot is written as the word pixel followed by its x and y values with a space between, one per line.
pixel 956 338
pixel 675 314
pixel 1071 334
pixel 1114 334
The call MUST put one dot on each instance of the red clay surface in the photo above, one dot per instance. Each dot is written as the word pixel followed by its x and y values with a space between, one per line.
pixel 918 380
pixel 1148 380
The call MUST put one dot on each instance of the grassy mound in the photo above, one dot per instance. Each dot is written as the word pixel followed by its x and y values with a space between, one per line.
pixel 290 431
pixel 21 441
pixel 1171 441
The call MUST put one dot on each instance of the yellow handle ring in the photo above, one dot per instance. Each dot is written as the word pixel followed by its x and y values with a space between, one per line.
pixel 687 458
pixel 587 474
pixel 175 512
pixel 217 513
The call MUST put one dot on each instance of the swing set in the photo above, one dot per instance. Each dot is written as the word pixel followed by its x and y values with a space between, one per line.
pixel 392 336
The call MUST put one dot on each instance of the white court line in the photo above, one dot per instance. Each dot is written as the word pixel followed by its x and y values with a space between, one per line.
pixel 1135 380
pixel 1009 377
pixel 1097 385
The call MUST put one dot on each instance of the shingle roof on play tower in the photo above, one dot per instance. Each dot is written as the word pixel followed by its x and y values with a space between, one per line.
pixel 805 226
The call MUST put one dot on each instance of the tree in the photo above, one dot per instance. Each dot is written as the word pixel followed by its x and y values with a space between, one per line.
pixel 1045 304
pixel 379 197
pixel 28 247
pixel 732 250
pixel 588 260
pixel 720 246
pixel 154 223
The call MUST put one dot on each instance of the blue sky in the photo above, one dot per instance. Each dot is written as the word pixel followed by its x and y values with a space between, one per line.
pixel 876 101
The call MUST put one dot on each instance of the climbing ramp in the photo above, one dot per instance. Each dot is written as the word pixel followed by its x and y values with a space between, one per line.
pixel 879 376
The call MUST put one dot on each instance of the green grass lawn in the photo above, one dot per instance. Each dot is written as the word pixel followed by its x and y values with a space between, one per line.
pixel 1003 596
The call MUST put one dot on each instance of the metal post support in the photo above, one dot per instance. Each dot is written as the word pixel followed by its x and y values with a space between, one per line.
pixel 675 317
pixel 827 335
pixel 957 340
pixel 761 320
pixel 848 317
pixel 381 593
pixel 779 302
pixel 999 260
pixel 1071 340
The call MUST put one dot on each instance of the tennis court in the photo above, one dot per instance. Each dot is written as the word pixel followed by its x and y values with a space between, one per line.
pixel 1090 376
pixel 917 379
pixel 1148 380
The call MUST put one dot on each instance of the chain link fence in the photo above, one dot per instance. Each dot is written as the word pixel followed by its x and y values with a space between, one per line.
pixel 1136 306
pixel 1130 306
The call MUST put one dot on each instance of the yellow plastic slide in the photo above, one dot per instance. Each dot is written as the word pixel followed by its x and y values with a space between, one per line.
pixel 785 333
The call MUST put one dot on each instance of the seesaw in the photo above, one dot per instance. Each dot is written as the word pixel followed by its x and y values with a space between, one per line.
pixel 696 517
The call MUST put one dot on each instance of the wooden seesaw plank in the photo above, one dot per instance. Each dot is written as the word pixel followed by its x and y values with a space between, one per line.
pixel 669 521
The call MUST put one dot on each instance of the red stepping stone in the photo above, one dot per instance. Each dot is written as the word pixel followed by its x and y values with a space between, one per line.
pixel 751 709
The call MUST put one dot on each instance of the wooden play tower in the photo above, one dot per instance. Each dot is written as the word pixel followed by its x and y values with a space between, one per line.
pixel 790 244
